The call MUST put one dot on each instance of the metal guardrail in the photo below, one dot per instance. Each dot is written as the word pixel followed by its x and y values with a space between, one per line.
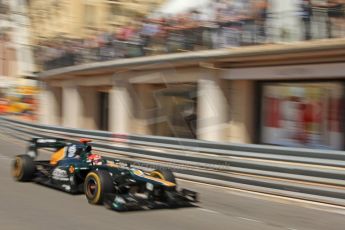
pixel 316 175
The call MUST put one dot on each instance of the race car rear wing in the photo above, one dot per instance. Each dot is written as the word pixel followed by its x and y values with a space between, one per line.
pixel 48 142
pixel 36 143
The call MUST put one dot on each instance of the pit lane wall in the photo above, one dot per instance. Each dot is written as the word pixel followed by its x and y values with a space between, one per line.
pixel 280 94
pixel 314 175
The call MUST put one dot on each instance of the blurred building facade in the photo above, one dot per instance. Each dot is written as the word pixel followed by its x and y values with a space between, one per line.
pixel 16 52
pixel 175 26
pixel 7 52
pixel 18 87
pixel 281 94
pixel 62 28
pixel 289 91
pixel 81 18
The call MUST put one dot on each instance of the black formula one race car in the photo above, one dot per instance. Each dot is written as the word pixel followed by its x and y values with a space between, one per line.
pixel 75 169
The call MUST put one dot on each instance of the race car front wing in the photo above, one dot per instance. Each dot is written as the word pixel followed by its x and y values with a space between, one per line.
pixel 127 202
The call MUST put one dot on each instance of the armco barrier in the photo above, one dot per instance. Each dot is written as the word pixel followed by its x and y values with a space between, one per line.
pixel 316 175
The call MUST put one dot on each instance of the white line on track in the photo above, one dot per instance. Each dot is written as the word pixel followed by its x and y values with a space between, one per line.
pixel 258 221
pixel 3 157
pixel 248 219
pixel 208 210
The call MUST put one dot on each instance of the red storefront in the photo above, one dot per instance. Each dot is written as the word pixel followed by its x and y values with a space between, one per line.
pixel 303 114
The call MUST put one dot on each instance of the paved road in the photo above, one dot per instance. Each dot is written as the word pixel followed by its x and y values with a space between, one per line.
pixel 31 206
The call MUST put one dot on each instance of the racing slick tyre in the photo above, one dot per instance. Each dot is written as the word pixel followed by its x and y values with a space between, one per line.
pixel 164 174
pixel 167 196
pixel 23 168
pixel 96 185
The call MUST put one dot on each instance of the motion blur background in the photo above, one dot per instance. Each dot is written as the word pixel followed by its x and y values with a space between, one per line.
pixel 266 71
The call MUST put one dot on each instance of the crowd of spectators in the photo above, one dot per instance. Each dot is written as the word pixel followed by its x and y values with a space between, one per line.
pixel 227 23
pixel 334 12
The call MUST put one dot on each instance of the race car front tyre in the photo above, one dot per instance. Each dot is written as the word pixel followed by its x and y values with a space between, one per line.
pixel 23 168
pixel 164 174
pixel 96 185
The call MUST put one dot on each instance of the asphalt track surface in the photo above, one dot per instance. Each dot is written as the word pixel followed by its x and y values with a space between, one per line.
pixel 31 206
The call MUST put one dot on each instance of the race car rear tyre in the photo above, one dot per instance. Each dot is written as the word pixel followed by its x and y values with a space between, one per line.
pixel 23 168
pixel 164 174
pixel 96 185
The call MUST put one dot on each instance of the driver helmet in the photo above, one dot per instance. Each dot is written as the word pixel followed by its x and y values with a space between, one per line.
pixel 94 159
